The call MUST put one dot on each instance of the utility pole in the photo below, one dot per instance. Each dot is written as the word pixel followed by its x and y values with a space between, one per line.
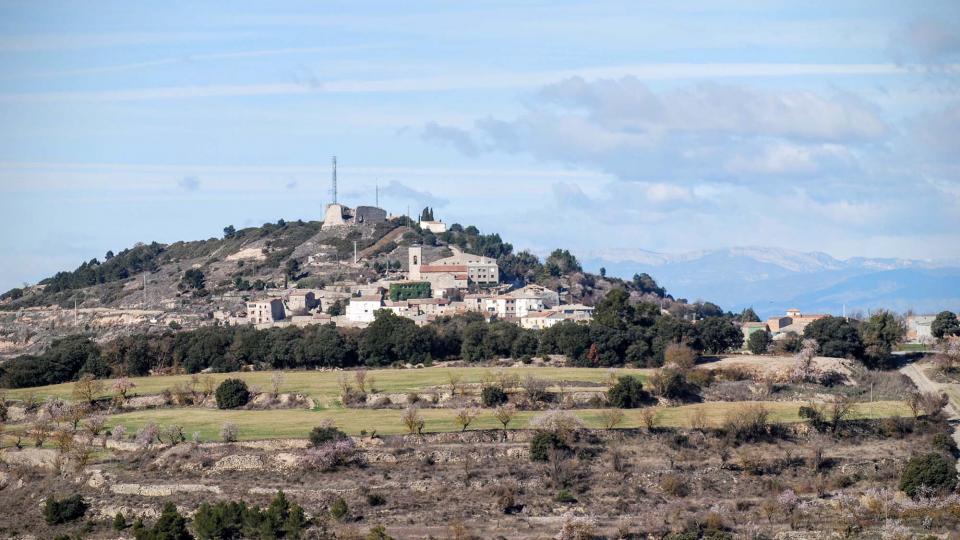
pixel 76 313
pixel 354 252
pixel 377 196
pixel 333 188
pixel 144 305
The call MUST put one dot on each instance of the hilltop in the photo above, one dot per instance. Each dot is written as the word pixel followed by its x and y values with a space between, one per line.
pixel 189 284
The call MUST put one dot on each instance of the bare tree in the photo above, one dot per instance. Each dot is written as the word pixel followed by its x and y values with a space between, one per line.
pixel 363 380
pixel 535 389
pixel 41 431
pixel 698 420
pixel 77 412
pixel 504 414
pixel 454 382
pixel 465 416
pixel 804 369
pixel 648 415
pixel 413 420
pixel 276 381
pixel 680 356
pixel 838 410
pixel 87 389
pixel 123 385
pixel 611 418
pixel 95 424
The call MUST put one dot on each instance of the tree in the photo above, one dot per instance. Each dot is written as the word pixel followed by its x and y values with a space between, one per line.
pixel 491 396
pixel 170 526
pixel 931 471
pixel 57 511
pixel 759 341
pixel 87 389
pixel 945 324
pixel 123 385
pixel 336 309
pixel 881 333
pixel 193 279
pixel 719 335
pixel 603 272
pixel 466 416
pixel 292 269
pixel 232 393
pixel 413 420
pixel 749 315
pixel 504 414
pixel 229 232
pixel 561 262
pixel 426 214
pixel 611 418
pixel 627 393
pixel 836 337
pixel 680 356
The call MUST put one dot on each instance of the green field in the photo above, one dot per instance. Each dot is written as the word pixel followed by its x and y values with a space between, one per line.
pixel 296 423
pixel 323 387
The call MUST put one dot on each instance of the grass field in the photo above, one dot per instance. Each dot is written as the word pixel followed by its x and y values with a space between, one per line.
pixel 296 423
pixel 323 387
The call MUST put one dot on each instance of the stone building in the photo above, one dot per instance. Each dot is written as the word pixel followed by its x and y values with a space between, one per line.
pixel 340 215
pixel 454 271
pixel 300 302
pixel 265 311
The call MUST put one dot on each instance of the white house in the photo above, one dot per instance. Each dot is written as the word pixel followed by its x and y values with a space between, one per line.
pixel 361 309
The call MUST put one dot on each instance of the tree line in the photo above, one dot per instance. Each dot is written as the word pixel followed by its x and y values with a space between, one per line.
pixel 620 333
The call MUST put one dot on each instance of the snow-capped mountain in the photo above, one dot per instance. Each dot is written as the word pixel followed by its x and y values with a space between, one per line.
pixel 772 279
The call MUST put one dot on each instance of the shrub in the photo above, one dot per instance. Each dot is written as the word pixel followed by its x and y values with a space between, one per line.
pixel 378 532
pixel 339 509
pixel 561 423
pixel 814 415
pixel 375 499
pixel 229 432
pixel 232 393
pixel 323 434
pixel 57 511
pixel 748 424
pixel 564 496
pixel 543 443
pixel 331 455
pixel 932 471
pixel 491 396
pixel 674 485
pixel 119 522
pixel 942 442
pixel 627 393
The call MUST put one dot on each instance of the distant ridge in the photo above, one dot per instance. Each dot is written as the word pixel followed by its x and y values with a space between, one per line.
pixel 771 279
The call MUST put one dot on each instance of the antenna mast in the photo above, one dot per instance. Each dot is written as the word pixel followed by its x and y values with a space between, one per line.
pixel 334 183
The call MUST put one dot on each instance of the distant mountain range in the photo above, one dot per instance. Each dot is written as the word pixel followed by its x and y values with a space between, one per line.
pixel 774 279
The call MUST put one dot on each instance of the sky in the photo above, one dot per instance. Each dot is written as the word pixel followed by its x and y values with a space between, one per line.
pixel 597 126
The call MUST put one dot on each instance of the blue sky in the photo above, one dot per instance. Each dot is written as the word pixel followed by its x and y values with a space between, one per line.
pixel 599 126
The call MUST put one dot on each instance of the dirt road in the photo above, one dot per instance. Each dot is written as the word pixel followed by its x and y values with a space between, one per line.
pixel 925 384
